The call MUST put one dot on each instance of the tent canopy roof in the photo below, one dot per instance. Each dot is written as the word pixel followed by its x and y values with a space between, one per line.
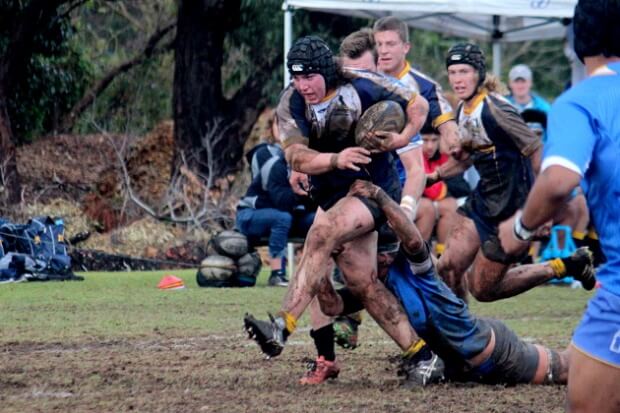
pixel 486 20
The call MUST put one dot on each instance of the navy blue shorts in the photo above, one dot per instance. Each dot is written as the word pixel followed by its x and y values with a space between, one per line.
pixel 598 334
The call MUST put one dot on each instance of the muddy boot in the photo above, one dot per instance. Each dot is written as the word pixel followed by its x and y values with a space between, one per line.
pixel 270 335
pixel 580 265
pixel 345 331
pixel 320 370
pixel 422 369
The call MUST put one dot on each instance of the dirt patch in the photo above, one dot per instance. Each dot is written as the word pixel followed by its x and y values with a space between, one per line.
pixel 217 374
pixel 80 178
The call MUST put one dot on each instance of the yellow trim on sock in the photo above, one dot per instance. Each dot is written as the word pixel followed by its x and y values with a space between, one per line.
pixel 440 248
pixel 414 348
pixel 579 235
pixel 592 234
pixel 356 316
pixel 558 267
pixel 290 322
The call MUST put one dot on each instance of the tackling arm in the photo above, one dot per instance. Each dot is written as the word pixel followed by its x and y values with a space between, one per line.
pixel 405 229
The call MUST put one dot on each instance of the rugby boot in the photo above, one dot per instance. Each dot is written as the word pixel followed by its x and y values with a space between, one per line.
pixel 278 279
pixel 580 265
pixel 270 335
pixel 421 373
pixel 345 332
pixel 320 370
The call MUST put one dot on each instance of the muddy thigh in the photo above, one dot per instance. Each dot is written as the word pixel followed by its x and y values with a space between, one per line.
pixel 461 248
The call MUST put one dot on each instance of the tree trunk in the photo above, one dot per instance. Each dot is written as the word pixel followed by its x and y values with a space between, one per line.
pixel 10 187
pixel 206 135
pixel 23 29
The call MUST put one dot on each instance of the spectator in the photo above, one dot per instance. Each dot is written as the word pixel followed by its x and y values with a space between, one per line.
pixel 437 208
pixel 521 94
pixel 270 208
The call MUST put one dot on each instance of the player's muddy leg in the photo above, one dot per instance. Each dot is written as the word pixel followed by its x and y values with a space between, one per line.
pixel 461 248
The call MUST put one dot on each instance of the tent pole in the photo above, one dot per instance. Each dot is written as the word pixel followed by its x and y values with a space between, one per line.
pixel 288 36
pixel 496 35
pixel 497 58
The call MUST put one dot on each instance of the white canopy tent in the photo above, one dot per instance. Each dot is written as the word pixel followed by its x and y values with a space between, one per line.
pixel 484 20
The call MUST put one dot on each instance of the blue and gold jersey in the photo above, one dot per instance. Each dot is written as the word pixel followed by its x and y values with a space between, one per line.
pixel 439 109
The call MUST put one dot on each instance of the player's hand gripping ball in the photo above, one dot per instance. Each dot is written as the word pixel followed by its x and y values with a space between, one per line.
pixel 384 116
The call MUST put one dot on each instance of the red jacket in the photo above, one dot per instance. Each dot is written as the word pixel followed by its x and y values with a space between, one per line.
pixel 438 191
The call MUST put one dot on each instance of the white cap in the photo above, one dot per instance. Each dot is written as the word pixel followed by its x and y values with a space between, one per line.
pixel 520 72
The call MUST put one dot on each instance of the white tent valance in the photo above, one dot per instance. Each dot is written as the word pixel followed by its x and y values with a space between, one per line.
pixel 515 20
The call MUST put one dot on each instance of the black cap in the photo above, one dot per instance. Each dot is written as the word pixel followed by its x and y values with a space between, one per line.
pixel 310 54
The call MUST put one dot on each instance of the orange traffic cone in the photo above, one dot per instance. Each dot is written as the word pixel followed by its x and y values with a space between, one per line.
pixel 170 282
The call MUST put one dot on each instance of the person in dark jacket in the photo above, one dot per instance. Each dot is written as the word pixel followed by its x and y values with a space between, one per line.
pixel 271 208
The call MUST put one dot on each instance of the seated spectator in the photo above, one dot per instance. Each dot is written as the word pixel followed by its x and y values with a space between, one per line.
pixel 437 207
pixel 270 208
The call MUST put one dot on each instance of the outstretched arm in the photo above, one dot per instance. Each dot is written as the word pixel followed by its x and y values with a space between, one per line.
pixel 449 169
pixel 407 232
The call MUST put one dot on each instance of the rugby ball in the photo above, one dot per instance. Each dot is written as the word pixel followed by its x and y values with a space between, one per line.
pixel 385 115
pixel 216 268
pixel 232 244
pixel 249 265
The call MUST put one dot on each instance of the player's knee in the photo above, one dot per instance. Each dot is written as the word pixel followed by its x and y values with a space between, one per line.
pixel 319 236
pixel 360 286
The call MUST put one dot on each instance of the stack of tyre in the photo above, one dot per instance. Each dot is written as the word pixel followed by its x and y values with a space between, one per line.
pixel 229 263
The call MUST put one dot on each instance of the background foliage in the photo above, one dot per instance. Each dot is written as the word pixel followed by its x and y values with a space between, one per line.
pixel 77 50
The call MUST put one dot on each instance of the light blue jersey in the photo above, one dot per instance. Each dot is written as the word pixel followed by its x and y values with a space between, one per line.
pixel 584 136
pixel 536 102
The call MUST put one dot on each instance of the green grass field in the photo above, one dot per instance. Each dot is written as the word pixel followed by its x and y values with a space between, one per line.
pixel 125 305
pixel 114 342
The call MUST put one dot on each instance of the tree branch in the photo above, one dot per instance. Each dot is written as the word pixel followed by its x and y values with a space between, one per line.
pixel 87 100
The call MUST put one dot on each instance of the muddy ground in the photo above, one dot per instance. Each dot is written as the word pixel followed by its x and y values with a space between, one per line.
pixel 227 374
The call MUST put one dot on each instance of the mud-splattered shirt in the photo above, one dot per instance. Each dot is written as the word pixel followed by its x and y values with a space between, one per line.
pixel 329 126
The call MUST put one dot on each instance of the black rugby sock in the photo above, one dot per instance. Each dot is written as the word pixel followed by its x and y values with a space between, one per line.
pixel 324 342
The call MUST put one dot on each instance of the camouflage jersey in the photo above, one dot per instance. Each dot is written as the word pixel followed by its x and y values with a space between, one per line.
pixel 500 144
pixel 329 127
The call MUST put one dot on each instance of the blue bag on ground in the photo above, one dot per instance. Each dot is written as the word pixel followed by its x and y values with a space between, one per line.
pixel 36 250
